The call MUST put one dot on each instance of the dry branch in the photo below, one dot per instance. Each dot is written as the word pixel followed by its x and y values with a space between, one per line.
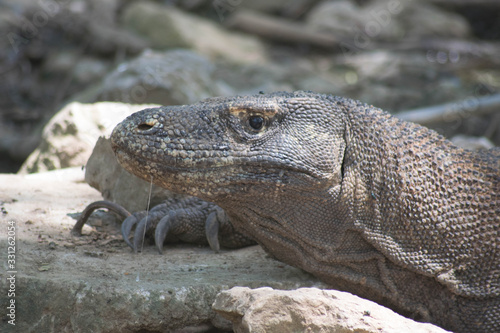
pixel 465 108
pixel 457 3
pixel 279 29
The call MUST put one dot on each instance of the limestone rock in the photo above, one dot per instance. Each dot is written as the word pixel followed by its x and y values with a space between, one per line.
pixel 69 137
pixel 168 27
pixel 105 174
pixel 310 310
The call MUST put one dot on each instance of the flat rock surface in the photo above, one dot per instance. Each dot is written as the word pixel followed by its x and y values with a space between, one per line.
pixel 96 283
pixel 310 310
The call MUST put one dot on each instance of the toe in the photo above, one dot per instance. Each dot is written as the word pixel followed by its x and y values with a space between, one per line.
pixel 161 232
pixel 140 233
pixel 127 225
pixel 212 231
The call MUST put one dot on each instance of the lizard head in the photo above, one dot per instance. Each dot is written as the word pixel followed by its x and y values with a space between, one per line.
pixel 244 145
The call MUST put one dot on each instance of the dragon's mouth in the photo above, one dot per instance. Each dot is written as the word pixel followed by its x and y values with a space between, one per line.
pixel 168 164
pixel 231 167
pixel 212 180
pixel 176 160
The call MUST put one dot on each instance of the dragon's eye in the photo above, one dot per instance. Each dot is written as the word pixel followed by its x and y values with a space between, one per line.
pixel 256 122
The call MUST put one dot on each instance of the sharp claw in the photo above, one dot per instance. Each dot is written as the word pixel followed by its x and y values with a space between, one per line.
pixel 127 225
pixel 161 232
pixel 212 231
pixel 140 231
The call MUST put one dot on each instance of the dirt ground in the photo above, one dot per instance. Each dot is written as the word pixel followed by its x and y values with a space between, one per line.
pixel 95 282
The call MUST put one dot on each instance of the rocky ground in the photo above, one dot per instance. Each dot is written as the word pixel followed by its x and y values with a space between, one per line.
pixel 396 54
pixel 95 283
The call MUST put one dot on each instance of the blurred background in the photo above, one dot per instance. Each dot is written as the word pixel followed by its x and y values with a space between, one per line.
pixel 398 55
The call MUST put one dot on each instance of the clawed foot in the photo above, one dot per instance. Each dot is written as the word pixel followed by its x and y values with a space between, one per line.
pixel 184 221
pixel 190 220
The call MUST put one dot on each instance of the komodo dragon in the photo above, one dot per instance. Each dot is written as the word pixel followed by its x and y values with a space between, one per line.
pixel 383 208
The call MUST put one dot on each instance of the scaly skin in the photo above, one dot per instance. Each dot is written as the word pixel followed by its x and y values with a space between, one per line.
pixel 386 209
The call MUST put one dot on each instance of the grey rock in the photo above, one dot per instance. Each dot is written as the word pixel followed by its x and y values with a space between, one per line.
pixel 168 27
pixel 105 174
pixel 286 7
pixel 422 19
pixel 397 80
pixel 337 17
pixel 386 20
pixel 89 69
pixel 165 78
pixel 310 310
pixel 82 69
pixel 325 83
pixel 252 78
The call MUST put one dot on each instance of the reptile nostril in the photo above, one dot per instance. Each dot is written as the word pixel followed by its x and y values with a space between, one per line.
pixel 145 126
